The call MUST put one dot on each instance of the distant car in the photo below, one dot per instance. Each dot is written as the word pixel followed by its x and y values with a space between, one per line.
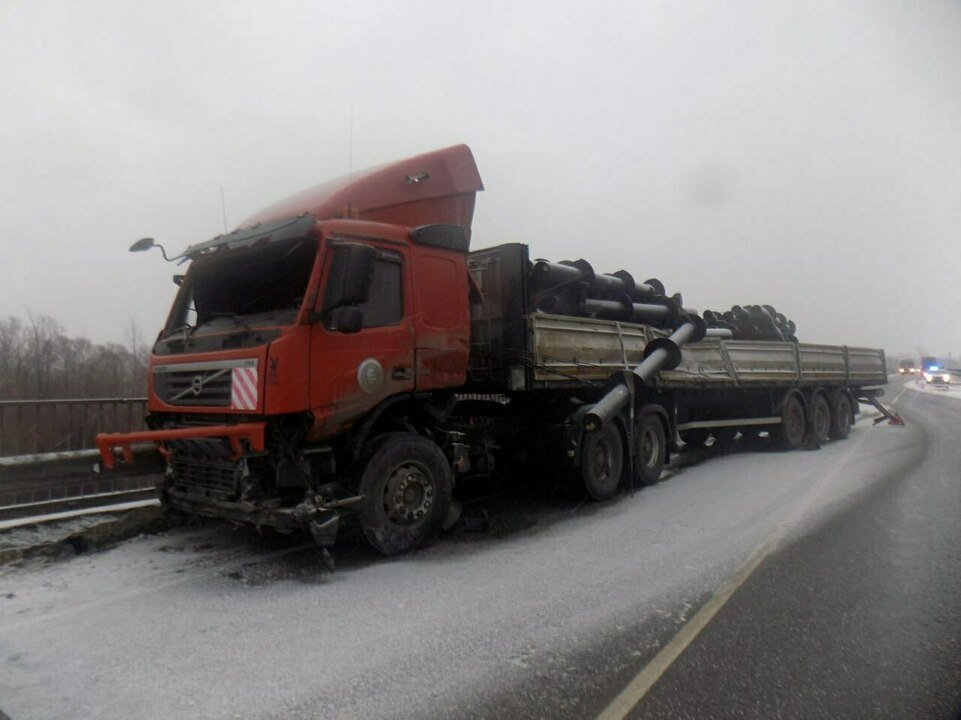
pixel 936 375
pixel 906 367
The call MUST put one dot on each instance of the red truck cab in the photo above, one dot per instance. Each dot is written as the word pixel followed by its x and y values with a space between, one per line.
pixel 316 314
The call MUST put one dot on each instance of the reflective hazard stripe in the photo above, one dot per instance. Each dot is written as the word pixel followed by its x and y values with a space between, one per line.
pixel 243 389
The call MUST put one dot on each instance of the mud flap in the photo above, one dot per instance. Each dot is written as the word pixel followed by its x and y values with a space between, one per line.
pixel 323 528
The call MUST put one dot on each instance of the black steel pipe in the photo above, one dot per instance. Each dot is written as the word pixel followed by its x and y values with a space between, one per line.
pixel 547 276
pixel 623 309
pixel 612 284
pixel 660 354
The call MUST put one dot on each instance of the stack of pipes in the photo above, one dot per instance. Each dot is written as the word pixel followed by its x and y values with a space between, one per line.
pixel 574 288
pixel 752 322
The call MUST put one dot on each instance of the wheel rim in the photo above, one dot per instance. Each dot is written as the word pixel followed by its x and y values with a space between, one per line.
pixel 603 461
pixel 650 449
pixel 408 494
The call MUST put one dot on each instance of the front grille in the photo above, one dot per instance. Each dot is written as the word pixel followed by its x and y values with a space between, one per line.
pixel 205 384
pixel 204 467
pixel 183 388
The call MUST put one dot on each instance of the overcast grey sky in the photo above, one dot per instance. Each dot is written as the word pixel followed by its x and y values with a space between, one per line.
pixel 804 154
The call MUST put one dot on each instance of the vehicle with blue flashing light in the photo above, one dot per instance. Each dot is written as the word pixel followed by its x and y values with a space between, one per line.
pixel 932 371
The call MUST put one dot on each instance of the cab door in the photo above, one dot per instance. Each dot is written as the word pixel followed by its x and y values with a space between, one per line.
pixel 350 373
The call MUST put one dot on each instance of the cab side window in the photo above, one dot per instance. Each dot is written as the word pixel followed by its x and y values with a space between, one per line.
pixel 385 306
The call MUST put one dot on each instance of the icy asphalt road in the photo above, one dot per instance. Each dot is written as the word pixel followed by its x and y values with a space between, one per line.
pixel 550 617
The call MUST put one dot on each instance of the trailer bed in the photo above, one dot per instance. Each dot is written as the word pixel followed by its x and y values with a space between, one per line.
pixel 568 349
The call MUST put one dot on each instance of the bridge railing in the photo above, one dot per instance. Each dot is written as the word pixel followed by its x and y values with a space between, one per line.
pixel 47 426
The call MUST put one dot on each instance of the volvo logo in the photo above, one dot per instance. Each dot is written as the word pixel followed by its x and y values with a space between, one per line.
pixel 197 385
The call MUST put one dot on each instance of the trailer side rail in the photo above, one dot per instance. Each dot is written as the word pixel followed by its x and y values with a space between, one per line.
pixel 568 348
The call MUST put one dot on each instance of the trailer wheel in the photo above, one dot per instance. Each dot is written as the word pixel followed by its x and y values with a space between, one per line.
pixel 602 461
pixel 790 433
pixel 821 417
pixel 842 416
pixel 650 449
pixel 407 487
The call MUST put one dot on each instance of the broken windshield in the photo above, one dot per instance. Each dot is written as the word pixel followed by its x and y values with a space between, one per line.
pixel 238 290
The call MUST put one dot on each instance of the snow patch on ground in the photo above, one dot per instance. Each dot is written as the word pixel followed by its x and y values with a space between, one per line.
pixel 949 391
pixel 217 622
pixel 42 531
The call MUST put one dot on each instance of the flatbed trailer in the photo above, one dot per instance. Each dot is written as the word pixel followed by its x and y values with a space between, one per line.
pixel 716 383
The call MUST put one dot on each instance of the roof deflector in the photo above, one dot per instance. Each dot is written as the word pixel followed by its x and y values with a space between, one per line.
pixel 434 188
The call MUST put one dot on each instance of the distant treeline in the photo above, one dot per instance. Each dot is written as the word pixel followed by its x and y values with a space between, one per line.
pixel 39 362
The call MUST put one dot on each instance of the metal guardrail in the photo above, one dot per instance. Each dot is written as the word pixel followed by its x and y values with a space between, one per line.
pixel 46 426
pixel 35 485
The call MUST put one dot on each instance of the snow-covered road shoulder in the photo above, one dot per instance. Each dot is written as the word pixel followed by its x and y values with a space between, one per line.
pixel 948 391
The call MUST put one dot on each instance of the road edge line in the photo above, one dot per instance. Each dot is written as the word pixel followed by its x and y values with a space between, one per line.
pixel 640 685
pixel 635 691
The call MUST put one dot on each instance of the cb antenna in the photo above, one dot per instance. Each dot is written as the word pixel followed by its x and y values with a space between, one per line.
pixel 223 208
pixel 350 146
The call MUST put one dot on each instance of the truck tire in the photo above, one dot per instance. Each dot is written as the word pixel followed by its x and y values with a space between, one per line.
pixel 842 416
pixel 821 417
pixel 650 449
pixel 790 433
pixel 407 486
pixel 602 461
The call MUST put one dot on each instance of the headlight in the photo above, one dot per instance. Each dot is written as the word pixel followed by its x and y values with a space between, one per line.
pixel 946 377
pixel 928 377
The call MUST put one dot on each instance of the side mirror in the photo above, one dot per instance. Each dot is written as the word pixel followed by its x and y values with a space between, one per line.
pixel 179 279
pixel 346 319
pixel 146 244
pixel 141 245
pixel 351 275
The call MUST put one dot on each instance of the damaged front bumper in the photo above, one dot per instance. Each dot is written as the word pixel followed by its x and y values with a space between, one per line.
pixel 112 445
pixel 320 519
pixel 207 474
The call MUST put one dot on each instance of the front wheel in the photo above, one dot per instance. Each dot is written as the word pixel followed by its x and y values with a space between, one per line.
pixel 407 486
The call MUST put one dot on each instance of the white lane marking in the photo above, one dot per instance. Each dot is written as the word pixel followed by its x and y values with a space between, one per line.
pixel 635 691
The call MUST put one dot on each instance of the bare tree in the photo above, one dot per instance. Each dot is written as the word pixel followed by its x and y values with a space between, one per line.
pixel 38 361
